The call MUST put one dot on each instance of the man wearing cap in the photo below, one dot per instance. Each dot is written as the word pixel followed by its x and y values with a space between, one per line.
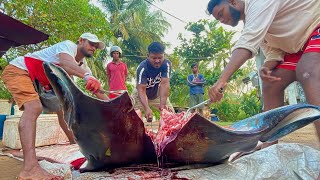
pixel 196 82
pixel 18 77
pixel 117 73
pixel 153 81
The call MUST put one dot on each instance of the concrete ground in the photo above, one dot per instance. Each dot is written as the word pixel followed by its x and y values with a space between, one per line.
pixel 9 167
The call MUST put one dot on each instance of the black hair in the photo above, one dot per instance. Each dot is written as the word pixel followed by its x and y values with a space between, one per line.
pixel 156 47
pixel 193 65
pixel 212 4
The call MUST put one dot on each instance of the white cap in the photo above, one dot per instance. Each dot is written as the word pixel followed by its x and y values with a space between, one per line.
pixel 115 48
pixel 93 38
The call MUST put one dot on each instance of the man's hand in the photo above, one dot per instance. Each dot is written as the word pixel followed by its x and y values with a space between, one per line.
pixel 162 106
pixel 238 58
pixel 265 74
pixel 216 91
pixel 92 84
pixel 148 114
pixel 101 95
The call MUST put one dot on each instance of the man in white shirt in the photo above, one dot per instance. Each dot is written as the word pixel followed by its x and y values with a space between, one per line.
pixel 288 32
pixel 18 77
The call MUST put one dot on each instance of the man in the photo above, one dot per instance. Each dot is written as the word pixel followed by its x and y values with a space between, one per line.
pixel 288 33
pixel 117 73
pixel 18 77
pixel 153 81
pixel 196 82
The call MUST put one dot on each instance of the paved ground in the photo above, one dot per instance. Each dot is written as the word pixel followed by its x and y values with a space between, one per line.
pixel 9 168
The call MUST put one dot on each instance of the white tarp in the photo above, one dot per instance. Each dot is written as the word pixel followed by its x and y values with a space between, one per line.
pixel 282 161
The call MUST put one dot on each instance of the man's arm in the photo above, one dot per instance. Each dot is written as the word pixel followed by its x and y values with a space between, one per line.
pixel 69 64
pixel 202 80
pixel 189 81
pixel 273 58
pixel 101 96
pixel 126 71
pixel 142 93
pixel 108 72
pixel 164 92
pixel 238 58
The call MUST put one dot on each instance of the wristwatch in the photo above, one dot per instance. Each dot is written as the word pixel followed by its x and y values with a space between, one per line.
pixel 86 75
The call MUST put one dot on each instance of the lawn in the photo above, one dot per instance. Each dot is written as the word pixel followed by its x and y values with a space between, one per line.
pixel 224 123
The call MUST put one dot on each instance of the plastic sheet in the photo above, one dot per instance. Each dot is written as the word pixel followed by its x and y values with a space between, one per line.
pixel 282 161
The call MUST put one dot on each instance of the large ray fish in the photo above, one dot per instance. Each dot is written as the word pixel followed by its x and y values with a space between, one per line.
pixel 201 141
pixel 110 134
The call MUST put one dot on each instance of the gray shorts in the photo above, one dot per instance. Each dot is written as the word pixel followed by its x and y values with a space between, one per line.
pixel 196 99
pixel 154 102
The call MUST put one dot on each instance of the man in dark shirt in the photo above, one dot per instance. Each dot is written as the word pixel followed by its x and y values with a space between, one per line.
pixel 153 81
pixel 196 82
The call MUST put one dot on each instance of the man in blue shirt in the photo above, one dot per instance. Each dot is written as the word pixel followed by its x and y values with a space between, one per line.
pixel 196 82
pixel 153 81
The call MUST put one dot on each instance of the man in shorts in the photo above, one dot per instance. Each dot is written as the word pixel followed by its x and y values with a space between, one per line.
pixel 288 33
pixel 196 82
pixel 18 77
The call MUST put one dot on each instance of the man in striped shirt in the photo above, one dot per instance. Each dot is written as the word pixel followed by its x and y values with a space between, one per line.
pixel 153 81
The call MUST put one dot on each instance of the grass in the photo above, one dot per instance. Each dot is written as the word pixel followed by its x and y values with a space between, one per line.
pixel 224 123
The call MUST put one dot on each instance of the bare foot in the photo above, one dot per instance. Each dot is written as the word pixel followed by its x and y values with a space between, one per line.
pixel 37 173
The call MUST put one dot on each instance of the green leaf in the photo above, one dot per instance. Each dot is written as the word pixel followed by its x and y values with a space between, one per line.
pixel 108 152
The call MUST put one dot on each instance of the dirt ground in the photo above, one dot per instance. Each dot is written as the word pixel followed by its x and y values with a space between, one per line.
pixel 9 167
pixel 306 135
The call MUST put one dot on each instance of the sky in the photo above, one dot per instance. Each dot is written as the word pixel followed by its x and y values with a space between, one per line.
pixel 186 10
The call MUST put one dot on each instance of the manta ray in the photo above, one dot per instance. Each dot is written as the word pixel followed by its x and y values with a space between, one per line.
pixel 110 133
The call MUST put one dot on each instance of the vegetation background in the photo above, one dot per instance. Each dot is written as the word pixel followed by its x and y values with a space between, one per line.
pixel 132 25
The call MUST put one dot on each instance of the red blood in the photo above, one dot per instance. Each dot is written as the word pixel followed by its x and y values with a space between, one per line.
pixel 76 164
pixel 170 125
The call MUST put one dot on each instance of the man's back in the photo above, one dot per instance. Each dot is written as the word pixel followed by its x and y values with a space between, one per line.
pixel 49 54
pixel 283 25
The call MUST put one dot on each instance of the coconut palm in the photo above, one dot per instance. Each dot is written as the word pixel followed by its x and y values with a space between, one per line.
pixel 135 26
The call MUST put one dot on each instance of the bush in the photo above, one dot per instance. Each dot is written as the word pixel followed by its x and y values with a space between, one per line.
pixel 4 93
pixel 233 108
pixel 81 85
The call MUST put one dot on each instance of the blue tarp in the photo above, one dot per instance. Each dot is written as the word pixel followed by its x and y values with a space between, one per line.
pixel 2 119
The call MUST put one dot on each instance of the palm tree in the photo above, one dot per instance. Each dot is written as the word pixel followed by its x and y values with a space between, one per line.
pixel 134 26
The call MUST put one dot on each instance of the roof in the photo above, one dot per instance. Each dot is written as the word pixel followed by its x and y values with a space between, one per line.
pixel 14 33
